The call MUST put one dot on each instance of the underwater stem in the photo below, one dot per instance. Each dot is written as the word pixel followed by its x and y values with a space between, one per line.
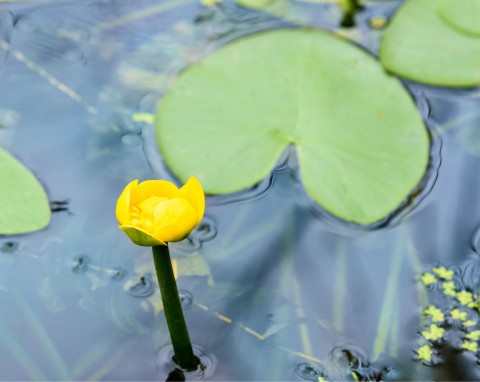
pixel 350 8
pixel 182 347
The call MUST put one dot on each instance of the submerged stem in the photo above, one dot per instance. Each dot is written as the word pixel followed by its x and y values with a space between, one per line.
pixel 350 8
pixel 182 347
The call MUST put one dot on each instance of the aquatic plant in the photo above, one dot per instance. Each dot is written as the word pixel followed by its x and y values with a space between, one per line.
pixel 24 207
pixel 436 42
pixel 154 213
pixel 361 143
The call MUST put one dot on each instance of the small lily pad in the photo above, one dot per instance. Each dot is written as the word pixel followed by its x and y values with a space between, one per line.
pixel 24 204
pixel 361 143
pixel 436 42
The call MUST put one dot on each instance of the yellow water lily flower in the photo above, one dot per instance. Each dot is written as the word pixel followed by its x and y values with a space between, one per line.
pixel 155 212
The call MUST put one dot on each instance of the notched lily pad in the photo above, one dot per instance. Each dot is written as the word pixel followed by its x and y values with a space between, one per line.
pixel 361 143
pixel 436 42
pixel 24 204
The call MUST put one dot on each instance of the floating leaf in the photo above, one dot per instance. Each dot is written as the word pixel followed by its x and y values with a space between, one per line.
pixel 24 205
pixel 361 143
pixel 464 15
pixel 434 42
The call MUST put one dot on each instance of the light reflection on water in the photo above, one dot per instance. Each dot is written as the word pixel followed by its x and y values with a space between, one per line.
pixel 273 291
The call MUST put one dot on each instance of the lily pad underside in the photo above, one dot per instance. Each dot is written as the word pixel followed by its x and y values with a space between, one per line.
pixel 361 143
pixel 436 42
pixel 24 204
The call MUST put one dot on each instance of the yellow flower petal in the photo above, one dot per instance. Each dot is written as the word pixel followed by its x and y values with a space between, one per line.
pixel 141 237
pixel 192 191
pixel 174 219
pixel 149 188
pixel 123 204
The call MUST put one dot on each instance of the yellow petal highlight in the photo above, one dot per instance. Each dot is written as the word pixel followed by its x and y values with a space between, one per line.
pixel 150 188
pixel 155 212
pixel 174 219
pixel 193 192
pixel 123 203
pixel 140 237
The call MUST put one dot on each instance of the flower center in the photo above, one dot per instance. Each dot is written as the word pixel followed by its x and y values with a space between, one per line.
pixel 143 214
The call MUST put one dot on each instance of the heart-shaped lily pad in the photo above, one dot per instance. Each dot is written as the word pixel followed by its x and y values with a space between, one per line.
pixel 361 143
pixel 436 42
pixel 24 204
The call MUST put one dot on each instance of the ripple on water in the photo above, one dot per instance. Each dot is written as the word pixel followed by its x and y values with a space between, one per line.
pixel 186 299
pixel 25 24
pixel 205 231
pixel 9 247
pixel 140 287
pixel 80 264
pixel 168 368
pixel 309 372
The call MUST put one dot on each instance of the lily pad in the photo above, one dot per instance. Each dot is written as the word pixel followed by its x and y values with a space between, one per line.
pixel 24 204
pixel 464 15
pixel 361 143
pixel 435 42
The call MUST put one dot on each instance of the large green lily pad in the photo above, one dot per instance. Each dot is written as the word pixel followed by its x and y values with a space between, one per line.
pixel 24 204
pixel 435 42
pixel 361 143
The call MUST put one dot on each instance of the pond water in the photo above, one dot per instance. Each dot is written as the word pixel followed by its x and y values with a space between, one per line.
pixel 273 288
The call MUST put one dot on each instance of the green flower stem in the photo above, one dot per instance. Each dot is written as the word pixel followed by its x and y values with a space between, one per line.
pixel 182 347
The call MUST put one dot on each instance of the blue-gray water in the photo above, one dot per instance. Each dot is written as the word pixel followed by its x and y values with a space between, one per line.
pixel 273 288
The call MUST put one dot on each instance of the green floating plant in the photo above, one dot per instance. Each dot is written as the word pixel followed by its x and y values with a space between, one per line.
pixel 361 143
pixel 435 42
pixel 443 318
pixel 24 204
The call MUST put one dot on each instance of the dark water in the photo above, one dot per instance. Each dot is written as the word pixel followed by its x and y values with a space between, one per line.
pixel 273 288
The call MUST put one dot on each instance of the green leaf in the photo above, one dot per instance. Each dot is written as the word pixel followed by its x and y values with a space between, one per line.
pixel 361 143
pixel 24 204
pixel 464 15
pixel 434 42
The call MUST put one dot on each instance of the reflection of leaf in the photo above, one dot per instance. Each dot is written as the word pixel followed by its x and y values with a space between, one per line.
pixel 361 143
pixel 24 206
pixel 421 45
pixel 469 137
pixel 194 266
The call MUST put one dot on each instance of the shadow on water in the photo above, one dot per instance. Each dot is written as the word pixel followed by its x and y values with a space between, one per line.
pixel 273 288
